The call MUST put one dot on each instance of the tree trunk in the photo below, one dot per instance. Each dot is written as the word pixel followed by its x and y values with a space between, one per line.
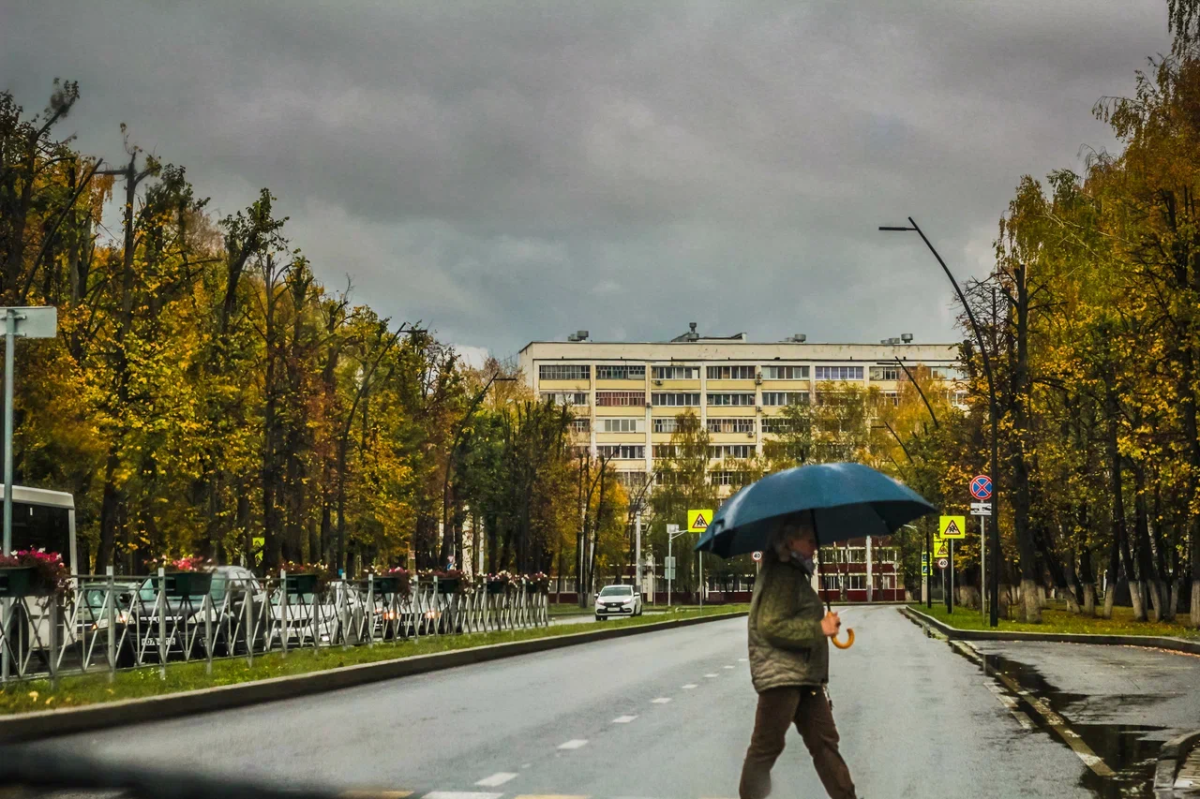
pixel 1137 595
pixel 1089 599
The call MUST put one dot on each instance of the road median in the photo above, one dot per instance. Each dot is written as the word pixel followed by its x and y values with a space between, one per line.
pixel 957 633
pixel 41 724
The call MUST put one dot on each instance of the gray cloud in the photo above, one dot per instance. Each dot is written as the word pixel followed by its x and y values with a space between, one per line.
pixel 515 171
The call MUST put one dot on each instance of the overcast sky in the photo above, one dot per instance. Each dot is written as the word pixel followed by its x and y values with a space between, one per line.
pixel 509 172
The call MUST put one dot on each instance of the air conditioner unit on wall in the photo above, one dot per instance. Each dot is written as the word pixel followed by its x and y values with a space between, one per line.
pixel 658 382
pixel 758 379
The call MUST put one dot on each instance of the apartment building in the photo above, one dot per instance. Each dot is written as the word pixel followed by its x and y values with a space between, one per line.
pixel 626 395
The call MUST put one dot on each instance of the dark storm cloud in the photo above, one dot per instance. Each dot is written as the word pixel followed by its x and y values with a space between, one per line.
pixel 514 171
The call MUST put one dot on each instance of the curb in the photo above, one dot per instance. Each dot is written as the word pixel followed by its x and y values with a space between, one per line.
pixel 1170 759
pixel 1148 641
pixel 43 724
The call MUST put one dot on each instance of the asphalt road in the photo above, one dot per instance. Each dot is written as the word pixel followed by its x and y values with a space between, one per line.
pixel 668 715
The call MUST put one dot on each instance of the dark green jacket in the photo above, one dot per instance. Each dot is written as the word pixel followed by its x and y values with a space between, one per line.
pixel 787 646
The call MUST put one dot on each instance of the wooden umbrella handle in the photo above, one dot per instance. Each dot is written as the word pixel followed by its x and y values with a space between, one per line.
pixel 849 642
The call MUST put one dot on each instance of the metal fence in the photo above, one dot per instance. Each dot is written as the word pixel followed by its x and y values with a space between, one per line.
pixel 102 624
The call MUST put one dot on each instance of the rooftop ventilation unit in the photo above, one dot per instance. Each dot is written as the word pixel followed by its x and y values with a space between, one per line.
pixel 578 335
pixel 906 338
pixel 798 338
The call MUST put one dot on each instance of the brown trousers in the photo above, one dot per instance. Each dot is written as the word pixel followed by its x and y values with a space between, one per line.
pixel 811 711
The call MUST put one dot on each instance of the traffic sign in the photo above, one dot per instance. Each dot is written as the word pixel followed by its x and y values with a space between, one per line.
pixel 941 547
pixel 672 529
pixel 981 487
pixel 924 569
pixel 669 561
pixel 669 573
pixel 943 563
pixel 757 557
pixel 981 509
pixel 698 520
pixel 953 527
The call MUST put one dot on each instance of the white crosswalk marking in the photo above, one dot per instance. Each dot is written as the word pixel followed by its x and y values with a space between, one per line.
pixel 662 700
pixel 496 780
pixel 623 719
pixel 710 675
pixel 689 686
pixel 574 743
pixel 461 795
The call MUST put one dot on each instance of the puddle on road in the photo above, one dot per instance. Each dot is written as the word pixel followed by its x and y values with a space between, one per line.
pixel 1123 747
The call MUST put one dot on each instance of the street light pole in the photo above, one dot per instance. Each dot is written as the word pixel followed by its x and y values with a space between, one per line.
pixel 994 593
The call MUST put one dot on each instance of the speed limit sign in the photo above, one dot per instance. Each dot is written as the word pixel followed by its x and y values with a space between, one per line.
pixel 757 557
pixel 943 563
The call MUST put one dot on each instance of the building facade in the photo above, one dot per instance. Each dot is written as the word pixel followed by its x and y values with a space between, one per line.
pixel 625 396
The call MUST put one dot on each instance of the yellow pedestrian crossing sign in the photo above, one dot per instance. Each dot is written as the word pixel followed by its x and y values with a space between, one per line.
pixel 941 547
pixel 953 527
pixel 698 520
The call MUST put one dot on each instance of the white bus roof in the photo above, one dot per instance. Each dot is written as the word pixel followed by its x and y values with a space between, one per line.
pixel 40 496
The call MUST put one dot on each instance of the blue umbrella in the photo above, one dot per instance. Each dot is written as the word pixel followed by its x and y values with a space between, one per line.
pixel 847 500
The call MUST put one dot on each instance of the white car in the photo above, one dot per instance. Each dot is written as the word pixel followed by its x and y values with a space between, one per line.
pixel 618 600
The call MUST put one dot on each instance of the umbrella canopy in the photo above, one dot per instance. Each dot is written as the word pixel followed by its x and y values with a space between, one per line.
pixel 848 500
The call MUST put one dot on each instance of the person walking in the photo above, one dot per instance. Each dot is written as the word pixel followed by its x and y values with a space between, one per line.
pixel 789 664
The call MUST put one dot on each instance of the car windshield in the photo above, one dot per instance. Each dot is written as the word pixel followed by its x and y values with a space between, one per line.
pixel 617 590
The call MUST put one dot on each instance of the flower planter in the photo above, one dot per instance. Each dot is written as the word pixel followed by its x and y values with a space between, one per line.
pixel 302 583
pixel 448 586
pixel 185 584
pixel 497 586
pixel 19 581
pixel 389 584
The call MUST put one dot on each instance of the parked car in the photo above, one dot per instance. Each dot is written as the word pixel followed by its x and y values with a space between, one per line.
pixel 618 600
pixel 300 622
pixel 231 588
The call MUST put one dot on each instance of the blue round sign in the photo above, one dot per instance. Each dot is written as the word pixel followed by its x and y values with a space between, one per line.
pixel 981 488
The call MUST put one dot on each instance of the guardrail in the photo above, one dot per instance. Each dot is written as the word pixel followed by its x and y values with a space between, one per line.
pixel 102 624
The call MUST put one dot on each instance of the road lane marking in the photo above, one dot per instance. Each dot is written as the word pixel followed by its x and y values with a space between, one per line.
pixel 689 686
pixel 461 795
pixel 496 780
pixel 710 675
pixel 369 794
pixel 662 700
pixel 574 743
pixel 727 667
pixel 1059 725
pixel 623 719
pixel 743 660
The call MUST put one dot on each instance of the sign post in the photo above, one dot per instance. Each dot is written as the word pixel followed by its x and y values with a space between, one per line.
pixel 698 521
pixel 40 322
pixel 951 529
pixel 673 532
pixel 981 492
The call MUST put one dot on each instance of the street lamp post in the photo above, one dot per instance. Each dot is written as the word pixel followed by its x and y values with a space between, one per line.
pixel 994 593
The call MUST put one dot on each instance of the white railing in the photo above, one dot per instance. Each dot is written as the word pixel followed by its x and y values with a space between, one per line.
pixel 102 624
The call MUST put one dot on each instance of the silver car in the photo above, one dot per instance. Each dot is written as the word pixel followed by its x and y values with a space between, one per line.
pixel 618 600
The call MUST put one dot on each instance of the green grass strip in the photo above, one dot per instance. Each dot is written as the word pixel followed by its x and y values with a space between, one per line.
pixel 88 689
pixel 1055 620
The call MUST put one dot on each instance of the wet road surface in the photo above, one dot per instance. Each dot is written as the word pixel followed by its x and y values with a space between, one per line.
pixel 668 714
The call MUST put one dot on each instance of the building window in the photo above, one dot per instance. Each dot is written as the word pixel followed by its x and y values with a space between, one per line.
pixel 676 399
pixel 855 582
pixel 740 398
pixel 738 425
pixel 676 372
pixel 946 372
pixel 885 372
pixel 581 451
pixel 581 425
pixel 565 397
pixel 889 398
pixel 778 424
pixel 621 425
pixel 622 452
pixel 620 399
pixel 781 398
pixel 664 425
pixel 631 479
pixel 724 478
pixel 564 371
pixel 667 478
pixel 785 373
pixel 886 581
pixel 731 373
pixel 839 373
pixel 666 450
pixel 731 451
pixel 837 398
pixel 856 554
pixel 883 554
pixel 620 372
pixel 960 399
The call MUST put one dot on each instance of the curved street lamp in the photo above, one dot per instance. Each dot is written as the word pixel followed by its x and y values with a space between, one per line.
pixel 994 592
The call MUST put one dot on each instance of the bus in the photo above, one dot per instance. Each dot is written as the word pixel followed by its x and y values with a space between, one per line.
pixel 44 519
